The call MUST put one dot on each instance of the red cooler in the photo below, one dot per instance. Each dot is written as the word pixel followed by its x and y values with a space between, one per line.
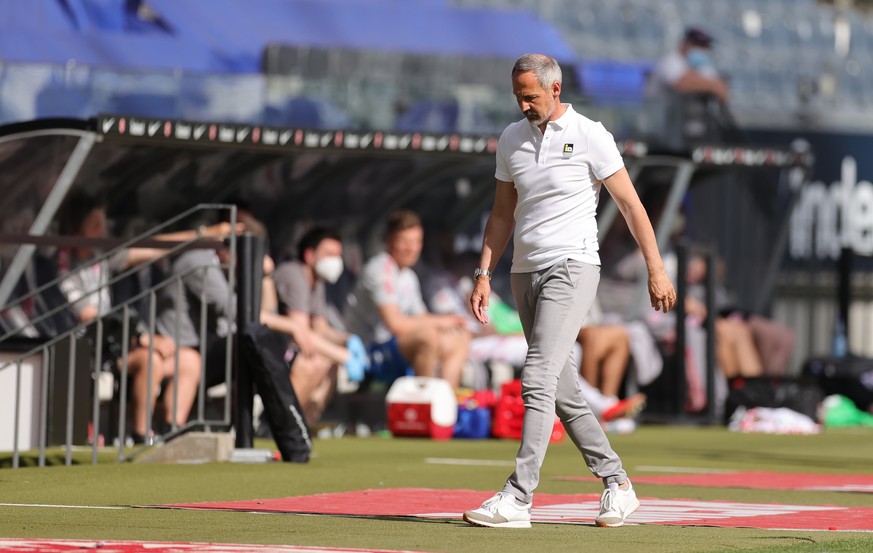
pixel 422 406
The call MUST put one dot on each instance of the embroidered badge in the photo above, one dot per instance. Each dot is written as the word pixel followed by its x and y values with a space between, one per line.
pixel 568 148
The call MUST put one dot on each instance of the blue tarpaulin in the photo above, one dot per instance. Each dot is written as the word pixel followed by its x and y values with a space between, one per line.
pixel 230 35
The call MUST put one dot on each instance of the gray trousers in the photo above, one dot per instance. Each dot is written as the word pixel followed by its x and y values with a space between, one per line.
pixel 552 304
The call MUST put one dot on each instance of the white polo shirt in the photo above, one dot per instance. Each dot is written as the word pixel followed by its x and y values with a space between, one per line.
pixel 557 176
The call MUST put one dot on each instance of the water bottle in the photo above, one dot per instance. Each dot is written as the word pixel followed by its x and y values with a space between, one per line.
pixel 246 455
pixel 839 346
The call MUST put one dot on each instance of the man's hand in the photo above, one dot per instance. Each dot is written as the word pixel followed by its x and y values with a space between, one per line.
pixel 479 299
pixel 269 266
pixel 661 291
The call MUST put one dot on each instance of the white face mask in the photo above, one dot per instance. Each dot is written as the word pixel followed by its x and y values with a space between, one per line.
pixel 329 269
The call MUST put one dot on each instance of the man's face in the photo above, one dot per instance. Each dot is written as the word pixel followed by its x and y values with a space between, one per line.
pixel 94 225
pixel 405 246
pixel 326 248
pixel 536 103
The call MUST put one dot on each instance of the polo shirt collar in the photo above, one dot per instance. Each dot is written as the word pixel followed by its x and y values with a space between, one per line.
pixel 564 119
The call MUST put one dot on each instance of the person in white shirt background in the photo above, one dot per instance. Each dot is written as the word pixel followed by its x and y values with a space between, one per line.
pixel 690 69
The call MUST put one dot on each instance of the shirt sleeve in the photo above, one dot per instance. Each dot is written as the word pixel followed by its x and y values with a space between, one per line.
pixel 502 170
pixel 380 280
pixel 671 68
pixel 604 154
pixel 319 300
pixel 291 287
pixel 193 265
pixel 118 261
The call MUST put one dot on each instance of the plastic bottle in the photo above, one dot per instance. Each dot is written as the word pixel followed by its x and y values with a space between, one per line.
pixel 839 346
pixel 242 455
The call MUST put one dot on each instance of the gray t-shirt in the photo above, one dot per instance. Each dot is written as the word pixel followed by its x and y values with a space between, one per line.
pixel 200 271
pixel 294 291
pixel 87 281
pixel 382 282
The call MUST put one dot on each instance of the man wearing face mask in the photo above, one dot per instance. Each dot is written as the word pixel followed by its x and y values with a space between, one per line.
pixel 690 70
pixel 300 285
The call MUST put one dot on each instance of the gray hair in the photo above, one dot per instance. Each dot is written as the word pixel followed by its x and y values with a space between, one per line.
pixel 545 68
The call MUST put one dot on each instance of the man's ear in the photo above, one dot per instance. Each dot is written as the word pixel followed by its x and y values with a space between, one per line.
pixel 556 89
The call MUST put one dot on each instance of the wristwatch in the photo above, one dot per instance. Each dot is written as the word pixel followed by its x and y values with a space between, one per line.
pixel 482 272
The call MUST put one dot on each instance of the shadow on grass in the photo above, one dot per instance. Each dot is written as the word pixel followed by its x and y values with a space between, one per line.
pixel 30 460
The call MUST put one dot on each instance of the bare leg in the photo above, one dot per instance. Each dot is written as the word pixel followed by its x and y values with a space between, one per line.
pixel 454 350
pixel 750 360
pixel 320 397
pixel 605 355
pixel 421 348
pixel 308 373
pixel 736 353
pixel 186 389
pixel 137 367
pixel 725 350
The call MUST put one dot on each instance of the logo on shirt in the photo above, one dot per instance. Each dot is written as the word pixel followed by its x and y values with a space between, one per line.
pixel 568 150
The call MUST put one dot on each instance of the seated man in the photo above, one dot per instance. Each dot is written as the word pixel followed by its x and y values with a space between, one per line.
pixel 300 286
pixel 747 345
pixel 387 311
pixel 203 276
pixel 86 287
pixel 203 314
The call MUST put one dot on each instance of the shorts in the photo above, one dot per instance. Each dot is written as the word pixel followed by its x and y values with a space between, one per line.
pixel 386 362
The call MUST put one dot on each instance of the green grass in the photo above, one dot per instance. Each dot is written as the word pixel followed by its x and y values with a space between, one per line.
pixel 353 464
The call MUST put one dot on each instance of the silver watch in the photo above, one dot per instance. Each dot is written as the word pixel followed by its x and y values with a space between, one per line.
pixel 482 272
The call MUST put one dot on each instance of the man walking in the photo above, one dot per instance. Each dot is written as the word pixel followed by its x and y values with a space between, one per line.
pixel 549 170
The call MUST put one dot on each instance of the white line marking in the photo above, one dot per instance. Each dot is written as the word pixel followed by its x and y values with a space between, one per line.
pixel 469 462
pixel 864 488
pixel 660 511
pixel 684 470
pixel 61 506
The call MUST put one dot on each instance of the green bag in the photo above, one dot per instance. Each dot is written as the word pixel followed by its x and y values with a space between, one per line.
pixel 840 411
pixel 504 318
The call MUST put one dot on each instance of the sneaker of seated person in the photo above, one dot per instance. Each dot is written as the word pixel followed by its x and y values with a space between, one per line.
pixel 628 407
pixel 501 511
pixel 616 505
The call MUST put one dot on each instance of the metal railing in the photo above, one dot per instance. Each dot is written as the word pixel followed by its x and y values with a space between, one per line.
pixel 80 334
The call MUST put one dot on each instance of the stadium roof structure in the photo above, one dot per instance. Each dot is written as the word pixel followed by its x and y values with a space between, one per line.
pixel 229 36
pixel 149 170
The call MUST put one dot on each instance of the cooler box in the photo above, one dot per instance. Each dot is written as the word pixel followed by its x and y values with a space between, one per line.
pixel 422 406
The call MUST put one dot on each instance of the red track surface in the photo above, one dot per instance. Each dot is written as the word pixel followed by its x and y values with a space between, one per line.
pixel 80 546
pixel 560 508
pixel 768 480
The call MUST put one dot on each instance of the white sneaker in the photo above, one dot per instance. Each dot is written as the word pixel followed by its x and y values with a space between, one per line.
pixel 501 511
pixel 616 505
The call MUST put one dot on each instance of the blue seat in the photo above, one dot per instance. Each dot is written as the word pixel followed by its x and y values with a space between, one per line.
pixel 59 100
pixel 307 113
pixel 609 82
pixel 444 117
pixel 144 104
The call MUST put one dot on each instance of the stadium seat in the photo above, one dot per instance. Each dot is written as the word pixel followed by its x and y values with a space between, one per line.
pixel 306 112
